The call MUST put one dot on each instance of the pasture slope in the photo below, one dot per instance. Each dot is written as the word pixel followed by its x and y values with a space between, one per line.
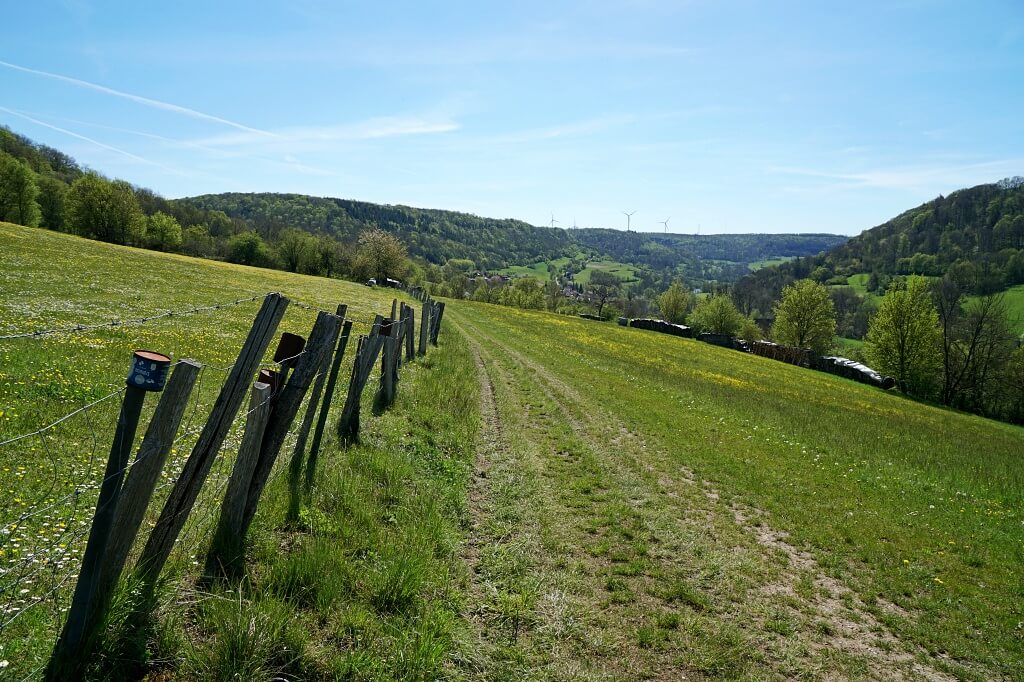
pixel 647 507
pixel 550 498
pixel 362 588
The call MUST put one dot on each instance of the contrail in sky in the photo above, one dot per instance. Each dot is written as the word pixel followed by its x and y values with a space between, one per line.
pixel 156 104
pixel 88 139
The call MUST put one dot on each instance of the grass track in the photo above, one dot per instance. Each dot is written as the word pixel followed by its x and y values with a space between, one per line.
pixel 692 509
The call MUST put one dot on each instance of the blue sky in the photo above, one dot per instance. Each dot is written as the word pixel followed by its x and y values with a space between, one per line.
pixel 731 116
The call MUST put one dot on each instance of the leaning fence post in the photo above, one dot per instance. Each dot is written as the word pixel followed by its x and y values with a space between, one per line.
pixel 190 481
pixel 410 341
pixel 325 407
pixel 145 471
pixel 227 549
pixel 298 454
pixel 311 362
pixel 148 373
pixel 436 323
pixel 366 356
pixel 424 326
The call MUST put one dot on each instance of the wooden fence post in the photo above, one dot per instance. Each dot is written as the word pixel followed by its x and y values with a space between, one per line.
pixel 435 322
pixel 389 368
pixel 144 474
pixel 410 332
pixel 228 548
pixel 68 660
pixel 225 409
pixel 298 454
pixel 285 407
pixel 424 326
pixel 325 407
pixel 366 357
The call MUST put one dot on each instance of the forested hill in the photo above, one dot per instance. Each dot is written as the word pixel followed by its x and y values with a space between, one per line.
pixel 437 235
pixel 431 234
pixel 976 235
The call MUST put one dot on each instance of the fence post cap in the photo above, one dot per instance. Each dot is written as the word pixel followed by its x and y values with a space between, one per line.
pixel 148 371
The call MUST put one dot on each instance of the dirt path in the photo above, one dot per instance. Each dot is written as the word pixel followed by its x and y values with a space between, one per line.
pixel 667 578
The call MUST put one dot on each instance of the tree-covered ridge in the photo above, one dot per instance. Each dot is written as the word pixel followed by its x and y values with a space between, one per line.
pixel 438 236
pixel 434 235
pixel 976 235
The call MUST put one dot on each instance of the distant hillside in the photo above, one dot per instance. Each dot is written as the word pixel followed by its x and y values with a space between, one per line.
pixel 437 235
pixel 976 235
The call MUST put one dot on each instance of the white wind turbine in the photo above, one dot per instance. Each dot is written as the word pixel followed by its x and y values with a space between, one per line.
pixel 629 216
pixel 665 223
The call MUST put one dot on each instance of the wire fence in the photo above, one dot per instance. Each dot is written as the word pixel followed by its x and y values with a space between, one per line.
pixel 53 475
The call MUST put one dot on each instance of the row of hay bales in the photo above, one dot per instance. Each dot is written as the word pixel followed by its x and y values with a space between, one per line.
pixel 658 326
pixel 802 357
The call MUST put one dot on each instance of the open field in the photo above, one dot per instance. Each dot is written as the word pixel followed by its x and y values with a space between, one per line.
pixel 1015 307
pixel 539 271
pixel 657 507
pixel 550 498
pixel 363 588
pixel 758 264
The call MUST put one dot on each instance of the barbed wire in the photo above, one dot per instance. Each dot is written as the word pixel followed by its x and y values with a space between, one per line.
pixel 42 546
pixel 39 333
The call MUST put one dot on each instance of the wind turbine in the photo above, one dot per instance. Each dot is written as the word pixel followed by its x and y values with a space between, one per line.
pixel 628 217
pixel 553 221
pixel 665 223
pixel 574 223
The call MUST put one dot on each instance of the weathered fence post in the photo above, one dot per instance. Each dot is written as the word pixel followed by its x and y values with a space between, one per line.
pixel 325 407
pixel 410 332
pixel 435 322
pixel 227 549
pixel 424 326
pixel 193 475
pixel 389 367
pixel 145 472
pixel 148 373
pixel 366 357
pixel 311 362
pixel 298 454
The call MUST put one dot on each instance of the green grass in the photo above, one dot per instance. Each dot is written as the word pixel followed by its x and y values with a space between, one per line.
pixel 1015 307
pixel 624 271
pixel 539 271
pixel 768 262
pixel 768 506
pixel 548 499
pixel 363 588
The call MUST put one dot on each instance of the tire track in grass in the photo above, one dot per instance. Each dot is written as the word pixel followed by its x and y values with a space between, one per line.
pixel 830 630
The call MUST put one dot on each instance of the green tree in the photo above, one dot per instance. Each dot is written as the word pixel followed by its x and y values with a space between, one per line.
pixel 295 248
pixel 805 317
pixel 717 315
pixel 674 302
pixel 18 192
pixel 248 248
pixel 382 254
pixel 603 287
pixel 52 202
pixel 196 241
pixel 104 210
pixel 904 340
pixel 330 255
pixel 163 232
pixel 524 292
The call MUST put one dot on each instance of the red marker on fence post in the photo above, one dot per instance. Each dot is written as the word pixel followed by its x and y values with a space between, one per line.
pixel 148 374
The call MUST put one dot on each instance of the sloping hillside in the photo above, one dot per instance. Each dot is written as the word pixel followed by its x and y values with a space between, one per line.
pixel 976 235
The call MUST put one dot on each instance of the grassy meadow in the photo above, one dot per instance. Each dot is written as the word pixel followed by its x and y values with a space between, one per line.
pixel 362 589
pixel 663 506
pixel 549 499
